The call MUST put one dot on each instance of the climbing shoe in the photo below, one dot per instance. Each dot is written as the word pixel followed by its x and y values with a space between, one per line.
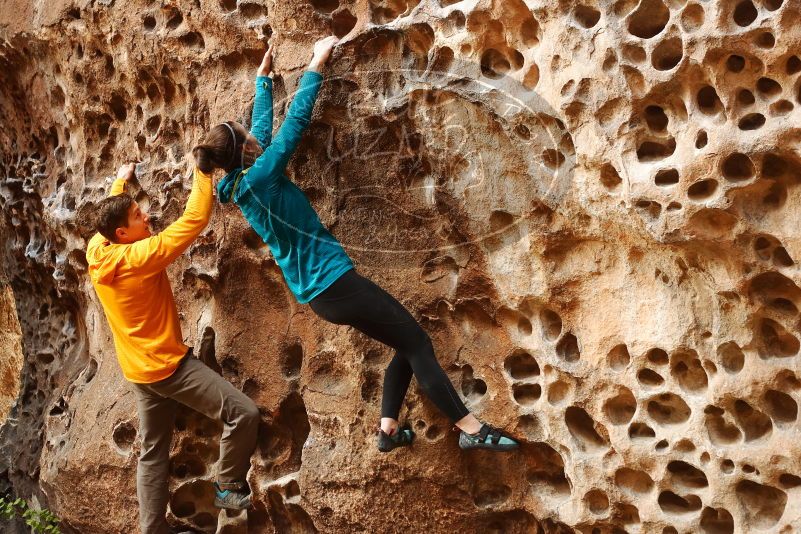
pixel 487 438
pixel 232 495
pixel 402 437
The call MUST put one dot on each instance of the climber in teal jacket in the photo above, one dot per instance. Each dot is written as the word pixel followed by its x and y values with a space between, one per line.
pixel 315 266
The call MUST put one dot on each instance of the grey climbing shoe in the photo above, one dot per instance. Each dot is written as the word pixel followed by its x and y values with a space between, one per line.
pixel 487 438
pixel 402 437
pixel 232 495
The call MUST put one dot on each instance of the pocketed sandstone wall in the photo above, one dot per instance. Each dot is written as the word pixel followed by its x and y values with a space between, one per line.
pixel 589 206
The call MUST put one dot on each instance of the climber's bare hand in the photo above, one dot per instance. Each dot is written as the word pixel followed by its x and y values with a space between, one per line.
pixel 322 51
pixel 126 171
pixel 266 66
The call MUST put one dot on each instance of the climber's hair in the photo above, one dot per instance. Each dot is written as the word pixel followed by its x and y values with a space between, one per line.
pixel 112 213
pixel 223 149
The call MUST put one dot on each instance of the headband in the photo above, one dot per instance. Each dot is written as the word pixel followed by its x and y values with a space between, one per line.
pixel 233 153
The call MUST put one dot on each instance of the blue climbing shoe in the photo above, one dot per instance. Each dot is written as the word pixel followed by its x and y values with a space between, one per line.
pixel 487 438
pixel 232 495
pixel 402 437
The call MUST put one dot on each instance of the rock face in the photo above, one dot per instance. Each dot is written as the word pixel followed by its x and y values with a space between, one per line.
pixel 591 207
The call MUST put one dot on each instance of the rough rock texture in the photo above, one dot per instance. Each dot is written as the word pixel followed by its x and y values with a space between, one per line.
pixel 591 207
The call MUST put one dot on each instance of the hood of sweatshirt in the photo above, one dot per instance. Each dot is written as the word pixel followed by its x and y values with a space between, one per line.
pixel 103 260
pixel 225 187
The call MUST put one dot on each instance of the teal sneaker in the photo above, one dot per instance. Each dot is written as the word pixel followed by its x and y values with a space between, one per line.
pixel 402 437
pixel 232 495
pixel 487 438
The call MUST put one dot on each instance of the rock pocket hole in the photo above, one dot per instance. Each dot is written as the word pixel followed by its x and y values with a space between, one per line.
pixel 610 178
pixel 634 482
pixel 521 365
pixel 655 118
pixel 650 151
pixel 568 348
pixel 703 189
pixel 641 431
pixel 596 501
pixel 793 65
pixel 701 139
pixel 765 40
pixel 473 388
pixel 672 503
pixel 752 121
pixel 692 18
pixel 666 177
pixel 620 408
pixel 687 475
pixel 583 428
pixel 768 88
pixel 618 358
pixel 526 394
pixel 735 63
pixel 716 521
pixel 494 64
pixel 745 13
pixel 668 409
pixel 342 22
pixel 586 16
pixel 649 377
pixel 551 324
pixel 754 423
pixel 649 20
pixel 780 406
pixel 731 357
pixel 708 100
pixel 764 505
pixel 738 167
pixel 124 435
pixel 667 55
pixel 292 361
pixel 149 23
pixel 657 356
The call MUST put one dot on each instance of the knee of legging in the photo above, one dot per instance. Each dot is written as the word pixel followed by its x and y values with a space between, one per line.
pixel 422 341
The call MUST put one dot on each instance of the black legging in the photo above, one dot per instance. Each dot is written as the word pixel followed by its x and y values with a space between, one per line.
pixel 356 301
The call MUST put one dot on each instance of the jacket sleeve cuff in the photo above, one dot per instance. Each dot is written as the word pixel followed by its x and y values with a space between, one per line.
pixel 265 82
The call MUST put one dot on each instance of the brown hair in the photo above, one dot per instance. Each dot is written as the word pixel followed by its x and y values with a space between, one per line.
pixel 222 150
pixel 112 213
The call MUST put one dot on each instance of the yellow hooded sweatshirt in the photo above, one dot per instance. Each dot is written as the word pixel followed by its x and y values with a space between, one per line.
pixel 131 282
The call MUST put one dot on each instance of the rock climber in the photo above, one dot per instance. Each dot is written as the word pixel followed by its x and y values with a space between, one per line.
pixel 315 266
pixel 127 266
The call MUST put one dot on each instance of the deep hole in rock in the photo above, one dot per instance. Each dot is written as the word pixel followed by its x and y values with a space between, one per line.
pixel 124 435
pixel 292 360
pixel 793 65
pixel 687 475
pixel 731 357
pixel 737 167
pixel 752 121
pixel 765 40
pixel 773 341
pixel 633 482
pixel 655 118
pixel 551 324
pixel 657 356
pixel 568 348
pixel 708 100
pixel 596 501
pixel 610 178
pixel 701 139
pixel 649 377
pixel 745 13
pixel 716 521
pixel 342 22
pixel 526 394
pixel 703 189
pixel 735 63
pixel 649 20
pixel 618 357
pixel 672 503
pixel 621 408
pixel 668 409
pixel 764 505
pixel 582 427
pixel 789 481
pixel 473 389
pixel 745 97
pixel 666 177
pixel 667 55
pixel 768 87
pixel 494 64
pixel 521 365
pixel 650 151
pixel 780 406
pixel 586 16
pixel 692 18
pixel 753 423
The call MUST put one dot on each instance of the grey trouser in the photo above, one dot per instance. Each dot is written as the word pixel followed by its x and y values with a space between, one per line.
pixel 194 385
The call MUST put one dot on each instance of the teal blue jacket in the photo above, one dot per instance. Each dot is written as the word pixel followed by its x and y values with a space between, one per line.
pixel 309 256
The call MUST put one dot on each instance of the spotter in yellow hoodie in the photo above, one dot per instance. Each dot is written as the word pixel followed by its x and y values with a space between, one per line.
pixel 131 282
